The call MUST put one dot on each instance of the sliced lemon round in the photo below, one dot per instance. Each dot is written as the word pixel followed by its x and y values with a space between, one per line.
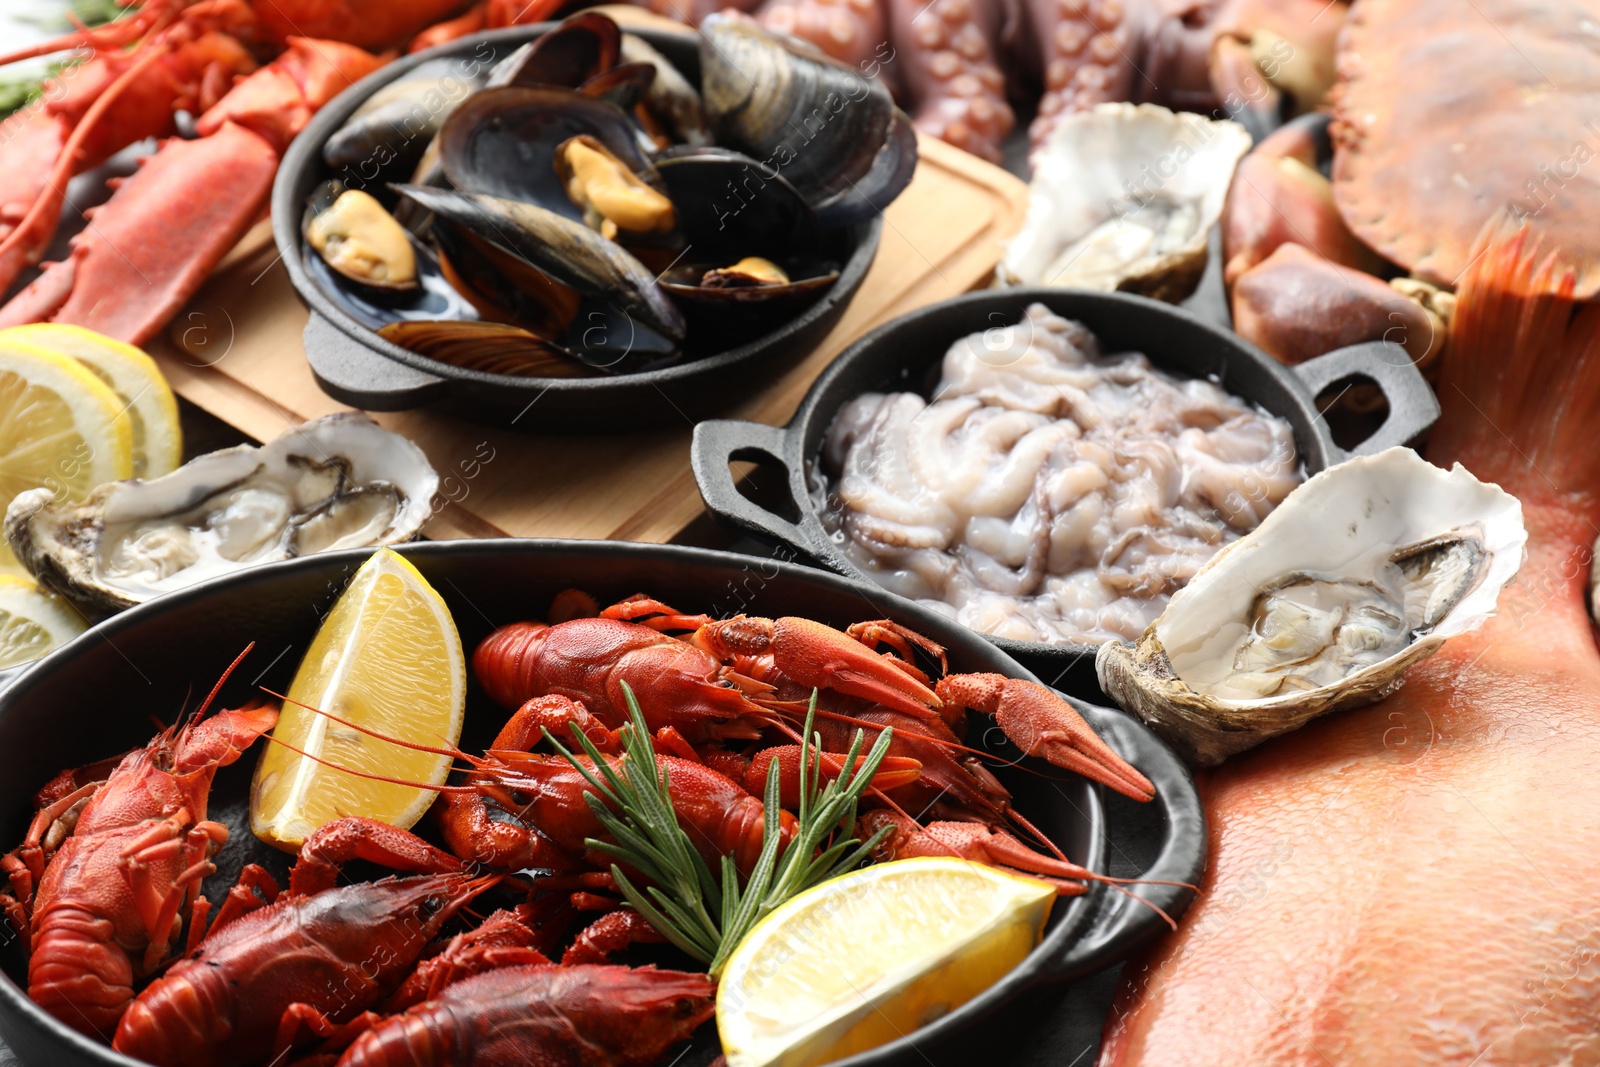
pixel 133 376
pixel 32 622
pixel 387 658
pixel 872 956
pixel 61 428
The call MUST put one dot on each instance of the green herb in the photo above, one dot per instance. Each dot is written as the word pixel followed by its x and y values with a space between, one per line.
pixel 705 916
pixel 17 93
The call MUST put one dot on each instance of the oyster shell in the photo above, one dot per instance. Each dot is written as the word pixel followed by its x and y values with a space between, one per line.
pixel 1364 570
pixel 337 482
pixel 1124 197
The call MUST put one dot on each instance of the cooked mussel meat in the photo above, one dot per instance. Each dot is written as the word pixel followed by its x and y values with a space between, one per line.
pixel 835 134
pixel 610 195
pixel 358 238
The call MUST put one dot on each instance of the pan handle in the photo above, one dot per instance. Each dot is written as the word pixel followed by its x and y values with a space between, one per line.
pixel 1412 406
pixel 718 442
pixel 1124 923
pixel 351 373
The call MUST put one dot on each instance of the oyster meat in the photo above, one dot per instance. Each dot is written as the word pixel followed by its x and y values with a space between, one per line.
pixel 1364 570
pixel 340 481
pixel 1124 197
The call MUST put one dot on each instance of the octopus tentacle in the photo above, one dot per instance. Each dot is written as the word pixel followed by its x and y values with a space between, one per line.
pixel 948 62
pixel 851 31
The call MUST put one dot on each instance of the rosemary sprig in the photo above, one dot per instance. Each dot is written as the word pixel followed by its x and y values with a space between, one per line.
pixel 707 916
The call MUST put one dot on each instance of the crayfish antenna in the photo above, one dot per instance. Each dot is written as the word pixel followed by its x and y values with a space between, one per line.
pixel 371 775
pixel 199 712
pixel 452 751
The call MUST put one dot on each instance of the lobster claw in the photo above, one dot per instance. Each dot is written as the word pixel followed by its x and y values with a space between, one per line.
pixel 1041 723
pixel 818 656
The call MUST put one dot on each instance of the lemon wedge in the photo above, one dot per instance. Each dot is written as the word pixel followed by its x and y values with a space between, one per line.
pixel 32 622
pixel 139 384
pixel 60 428
pixel 869 957
pixel 389 659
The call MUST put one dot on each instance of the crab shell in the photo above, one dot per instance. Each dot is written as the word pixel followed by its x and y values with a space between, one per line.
pixel 1450 112
pixel 1335 526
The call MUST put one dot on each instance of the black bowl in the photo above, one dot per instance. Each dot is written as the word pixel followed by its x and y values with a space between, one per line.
pixel 354 365
pixel 92 698
pixel 905 355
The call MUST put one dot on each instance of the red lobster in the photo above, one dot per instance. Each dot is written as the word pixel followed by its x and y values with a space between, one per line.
pixel 148 249
pixel 107 906
pixel 280 970
pixel 546 1015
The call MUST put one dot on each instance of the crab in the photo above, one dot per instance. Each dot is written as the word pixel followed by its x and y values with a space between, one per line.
pixel 1423 159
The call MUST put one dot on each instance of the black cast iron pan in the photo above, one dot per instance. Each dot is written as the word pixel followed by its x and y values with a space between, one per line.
pixel 905 355
pixel 354 365
pixel 92 698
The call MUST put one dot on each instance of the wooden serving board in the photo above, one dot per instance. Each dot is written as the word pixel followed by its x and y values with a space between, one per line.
pixel 236 352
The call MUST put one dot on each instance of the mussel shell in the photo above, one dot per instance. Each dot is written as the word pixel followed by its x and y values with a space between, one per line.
pixel 488 347
pixel 373 308
pixel 834 133
pixel 672 100
pixel 731 206
pixel 568 251
pixel 502 143
pixel 502 287
pixel 721 318
pixel 625 86
pixel 581 47
pixel 391 129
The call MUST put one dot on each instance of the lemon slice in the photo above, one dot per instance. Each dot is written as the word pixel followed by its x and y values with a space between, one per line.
pixel 60 428
pixel 139 384
pixel 32 622
pixel 867 958
pixel 388 658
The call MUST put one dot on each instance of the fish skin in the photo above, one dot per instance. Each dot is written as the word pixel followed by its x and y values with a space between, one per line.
pixel 1414 882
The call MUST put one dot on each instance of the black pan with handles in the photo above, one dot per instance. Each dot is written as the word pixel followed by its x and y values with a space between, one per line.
pixel 92 698
pixel 906 354
pixel 354 365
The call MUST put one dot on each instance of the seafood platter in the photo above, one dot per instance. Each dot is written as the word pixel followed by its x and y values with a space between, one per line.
pixel 598 219
pixel 1205 608
pixel 528 881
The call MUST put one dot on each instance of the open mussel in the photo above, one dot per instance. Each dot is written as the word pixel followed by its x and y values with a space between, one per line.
pixel 567 251
pixel 358 238
pixel 833 133
pixel 487 347
pixel 755 255
pixel 503 143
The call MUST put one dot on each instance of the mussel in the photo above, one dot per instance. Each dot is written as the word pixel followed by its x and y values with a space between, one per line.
pixel 835 134
pixel 582 47
pixel 567 251
pixel 670 100
pixel 358 238
pixel 392 128
pixel 503 143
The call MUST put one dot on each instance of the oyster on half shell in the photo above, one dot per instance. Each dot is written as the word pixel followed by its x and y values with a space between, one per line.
pixel 1124 197
pixel 1362 571
pixel 340 481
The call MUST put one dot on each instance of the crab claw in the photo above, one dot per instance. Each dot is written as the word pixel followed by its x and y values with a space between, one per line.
pixel 1041 723
pixel 818 656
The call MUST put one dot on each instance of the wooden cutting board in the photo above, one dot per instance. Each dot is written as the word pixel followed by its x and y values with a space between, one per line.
pixel 236 352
